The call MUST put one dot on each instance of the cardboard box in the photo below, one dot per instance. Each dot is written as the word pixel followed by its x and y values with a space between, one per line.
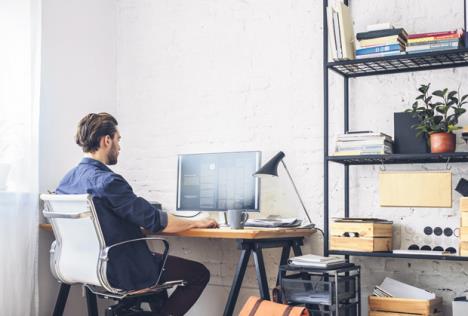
pixel 463 233
pixel 414 307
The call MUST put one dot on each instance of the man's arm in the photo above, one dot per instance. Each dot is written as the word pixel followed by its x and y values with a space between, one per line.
pixel 177 224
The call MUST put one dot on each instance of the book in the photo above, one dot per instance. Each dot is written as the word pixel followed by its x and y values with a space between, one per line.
pixel 361 220
pixel 346 30
pixel 314 261
pixel 387 40
pixel 421 252
pixel 434 46
pixel 384 54
pixel 331 34
pixel 450 40
pixel 379 26
pixel 348 147
pixel 382 33
pixel 367 135
pixel 367 142
pixel 362 152
pixel 433 38
pixel 378 49
pixel 432 34
pixel 436 49
pixel 336 26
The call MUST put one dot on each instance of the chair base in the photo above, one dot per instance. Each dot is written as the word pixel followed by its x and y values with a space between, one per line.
pixel 132 306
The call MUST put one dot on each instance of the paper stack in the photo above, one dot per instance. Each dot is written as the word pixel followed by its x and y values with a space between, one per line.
pixel 314 261
pixel 394 288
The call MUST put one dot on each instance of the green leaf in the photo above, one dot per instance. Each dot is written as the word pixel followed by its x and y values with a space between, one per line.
pixel 464 97
pixel 438 93
pixel 452 94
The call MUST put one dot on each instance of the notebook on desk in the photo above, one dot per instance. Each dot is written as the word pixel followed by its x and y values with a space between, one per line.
pixel 273 221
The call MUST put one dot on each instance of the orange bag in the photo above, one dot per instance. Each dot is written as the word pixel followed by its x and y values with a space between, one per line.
pixel 255 306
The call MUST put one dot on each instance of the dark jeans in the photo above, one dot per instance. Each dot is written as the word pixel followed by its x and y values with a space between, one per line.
pixel 184 297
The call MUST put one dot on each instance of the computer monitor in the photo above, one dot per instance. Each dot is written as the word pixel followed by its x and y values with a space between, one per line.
pixel 218 181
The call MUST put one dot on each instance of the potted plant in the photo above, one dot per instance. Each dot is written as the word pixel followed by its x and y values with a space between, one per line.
pixel 438 115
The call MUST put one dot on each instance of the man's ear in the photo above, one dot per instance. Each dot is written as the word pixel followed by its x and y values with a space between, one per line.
pixel 105 141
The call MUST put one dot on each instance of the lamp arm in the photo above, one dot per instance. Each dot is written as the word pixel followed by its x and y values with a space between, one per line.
pixel 297 192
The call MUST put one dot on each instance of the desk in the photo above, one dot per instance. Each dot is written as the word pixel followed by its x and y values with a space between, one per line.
pixel 249 241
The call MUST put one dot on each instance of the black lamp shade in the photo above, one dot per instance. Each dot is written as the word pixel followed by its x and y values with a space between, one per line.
pixel 271 167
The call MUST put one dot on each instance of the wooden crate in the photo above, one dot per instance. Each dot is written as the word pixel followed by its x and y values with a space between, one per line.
pixel 403 306
pixel 464 219
pixel 464 234
pixel 361 244
pixel 464 204
pixel 463 248
pixel 362 229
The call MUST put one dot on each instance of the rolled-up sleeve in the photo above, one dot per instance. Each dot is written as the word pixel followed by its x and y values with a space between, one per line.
pixel 119 194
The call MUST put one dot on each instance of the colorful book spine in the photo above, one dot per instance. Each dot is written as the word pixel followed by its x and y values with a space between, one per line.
pixel 384 54
pixel 447 41
pixel 378 49
pixel 387 40
pixel 436 49
pixel 433 46
pixel 433 38
pixel 432 34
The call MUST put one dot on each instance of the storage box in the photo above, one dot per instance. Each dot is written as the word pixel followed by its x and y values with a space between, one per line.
pixel 366 237
pixel 464 204
pixel 464 219
pixel 463 248
pixel 460 308
pixel 403 306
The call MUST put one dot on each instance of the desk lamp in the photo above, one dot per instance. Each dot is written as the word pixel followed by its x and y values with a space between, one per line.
pixel 271 169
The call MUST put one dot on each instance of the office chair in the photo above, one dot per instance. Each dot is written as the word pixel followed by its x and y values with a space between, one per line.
pixel 79 255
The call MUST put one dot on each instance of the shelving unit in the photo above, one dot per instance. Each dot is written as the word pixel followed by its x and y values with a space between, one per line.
pixel 381 66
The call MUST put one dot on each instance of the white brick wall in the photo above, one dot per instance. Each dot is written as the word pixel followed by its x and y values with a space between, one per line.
pixel 212 75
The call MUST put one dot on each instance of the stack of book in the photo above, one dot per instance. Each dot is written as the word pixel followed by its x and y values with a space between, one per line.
pixel 429 42
pixel 363 143
pixel 380 43
pixel 314 261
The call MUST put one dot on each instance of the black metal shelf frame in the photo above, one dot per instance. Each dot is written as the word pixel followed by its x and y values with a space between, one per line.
pixel 380 66
pixel 392 255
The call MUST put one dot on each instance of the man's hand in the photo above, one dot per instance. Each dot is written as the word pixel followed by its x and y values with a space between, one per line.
pixel 206 223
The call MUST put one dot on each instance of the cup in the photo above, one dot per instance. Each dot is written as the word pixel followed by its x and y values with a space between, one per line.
pixel 237 218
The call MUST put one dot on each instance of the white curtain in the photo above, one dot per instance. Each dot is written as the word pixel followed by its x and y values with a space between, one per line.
pixel 20 30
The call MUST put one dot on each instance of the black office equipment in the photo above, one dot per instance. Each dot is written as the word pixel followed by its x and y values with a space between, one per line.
pixel 405 140
pixel 218 181
pixel 462 187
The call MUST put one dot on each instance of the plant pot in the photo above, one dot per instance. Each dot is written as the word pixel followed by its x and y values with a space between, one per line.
pixel 442 142
pixel 4 170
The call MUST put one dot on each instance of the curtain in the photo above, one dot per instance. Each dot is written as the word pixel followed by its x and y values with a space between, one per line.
pixel 20 30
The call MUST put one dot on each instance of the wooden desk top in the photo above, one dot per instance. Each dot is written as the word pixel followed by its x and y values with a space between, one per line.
pixel 226 233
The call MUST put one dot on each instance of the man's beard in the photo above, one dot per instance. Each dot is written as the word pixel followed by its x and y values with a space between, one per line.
pixel 112 156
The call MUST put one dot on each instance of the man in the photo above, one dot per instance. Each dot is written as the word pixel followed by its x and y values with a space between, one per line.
pixel 122 214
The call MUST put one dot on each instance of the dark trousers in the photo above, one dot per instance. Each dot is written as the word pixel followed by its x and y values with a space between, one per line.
pixel 184 297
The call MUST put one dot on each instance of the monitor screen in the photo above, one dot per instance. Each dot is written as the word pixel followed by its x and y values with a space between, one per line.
pixel 218 181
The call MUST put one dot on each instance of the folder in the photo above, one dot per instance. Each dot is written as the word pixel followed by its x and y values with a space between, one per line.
pixel 415 189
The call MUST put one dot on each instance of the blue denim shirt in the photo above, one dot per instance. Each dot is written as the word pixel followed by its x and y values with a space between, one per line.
pixel 121 214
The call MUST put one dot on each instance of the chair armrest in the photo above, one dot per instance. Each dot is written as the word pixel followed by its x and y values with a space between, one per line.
pixel 78 215
pixel 105 251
